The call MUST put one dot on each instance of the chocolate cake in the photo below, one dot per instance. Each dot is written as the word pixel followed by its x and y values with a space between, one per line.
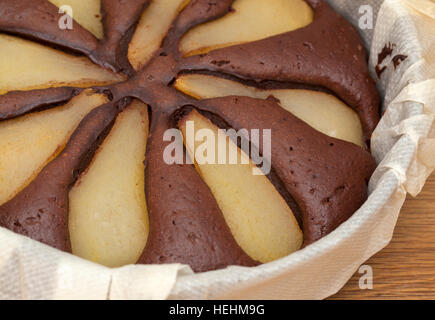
pixel 84 128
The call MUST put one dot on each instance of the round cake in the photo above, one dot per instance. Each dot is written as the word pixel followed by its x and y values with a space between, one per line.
pixel 208 133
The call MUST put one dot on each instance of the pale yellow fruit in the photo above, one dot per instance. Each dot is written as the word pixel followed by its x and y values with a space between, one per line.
pixel 108 220
pixel 324 112
pixel 29 142
pixel 86 12
pixel 27 65
pixel 151 30
pixel 258 217
pixel 249 21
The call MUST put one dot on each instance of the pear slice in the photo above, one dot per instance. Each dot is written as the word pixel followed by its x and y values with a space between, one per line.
pixel 324 112
pixel 258 217
pixel 108 220
pixel 151 30
pixel 86 12
pixel 250 20
pixel 29 142
pixel 30 65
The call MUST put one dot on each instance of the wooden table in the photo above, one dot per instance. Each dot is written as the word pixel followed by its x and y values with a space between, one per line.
pixel 406 268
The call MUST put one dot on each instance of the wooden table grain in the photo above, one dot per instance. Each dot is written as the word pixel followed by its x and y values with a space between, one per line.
pixel 406 268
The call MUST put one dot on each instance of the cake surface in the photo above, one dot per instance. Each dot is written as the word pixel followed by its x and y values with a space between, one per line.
pixel 85 112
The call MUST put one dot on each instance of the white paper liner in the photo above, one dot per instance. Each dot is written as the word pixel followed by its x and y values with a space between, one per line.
pixel 403 144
